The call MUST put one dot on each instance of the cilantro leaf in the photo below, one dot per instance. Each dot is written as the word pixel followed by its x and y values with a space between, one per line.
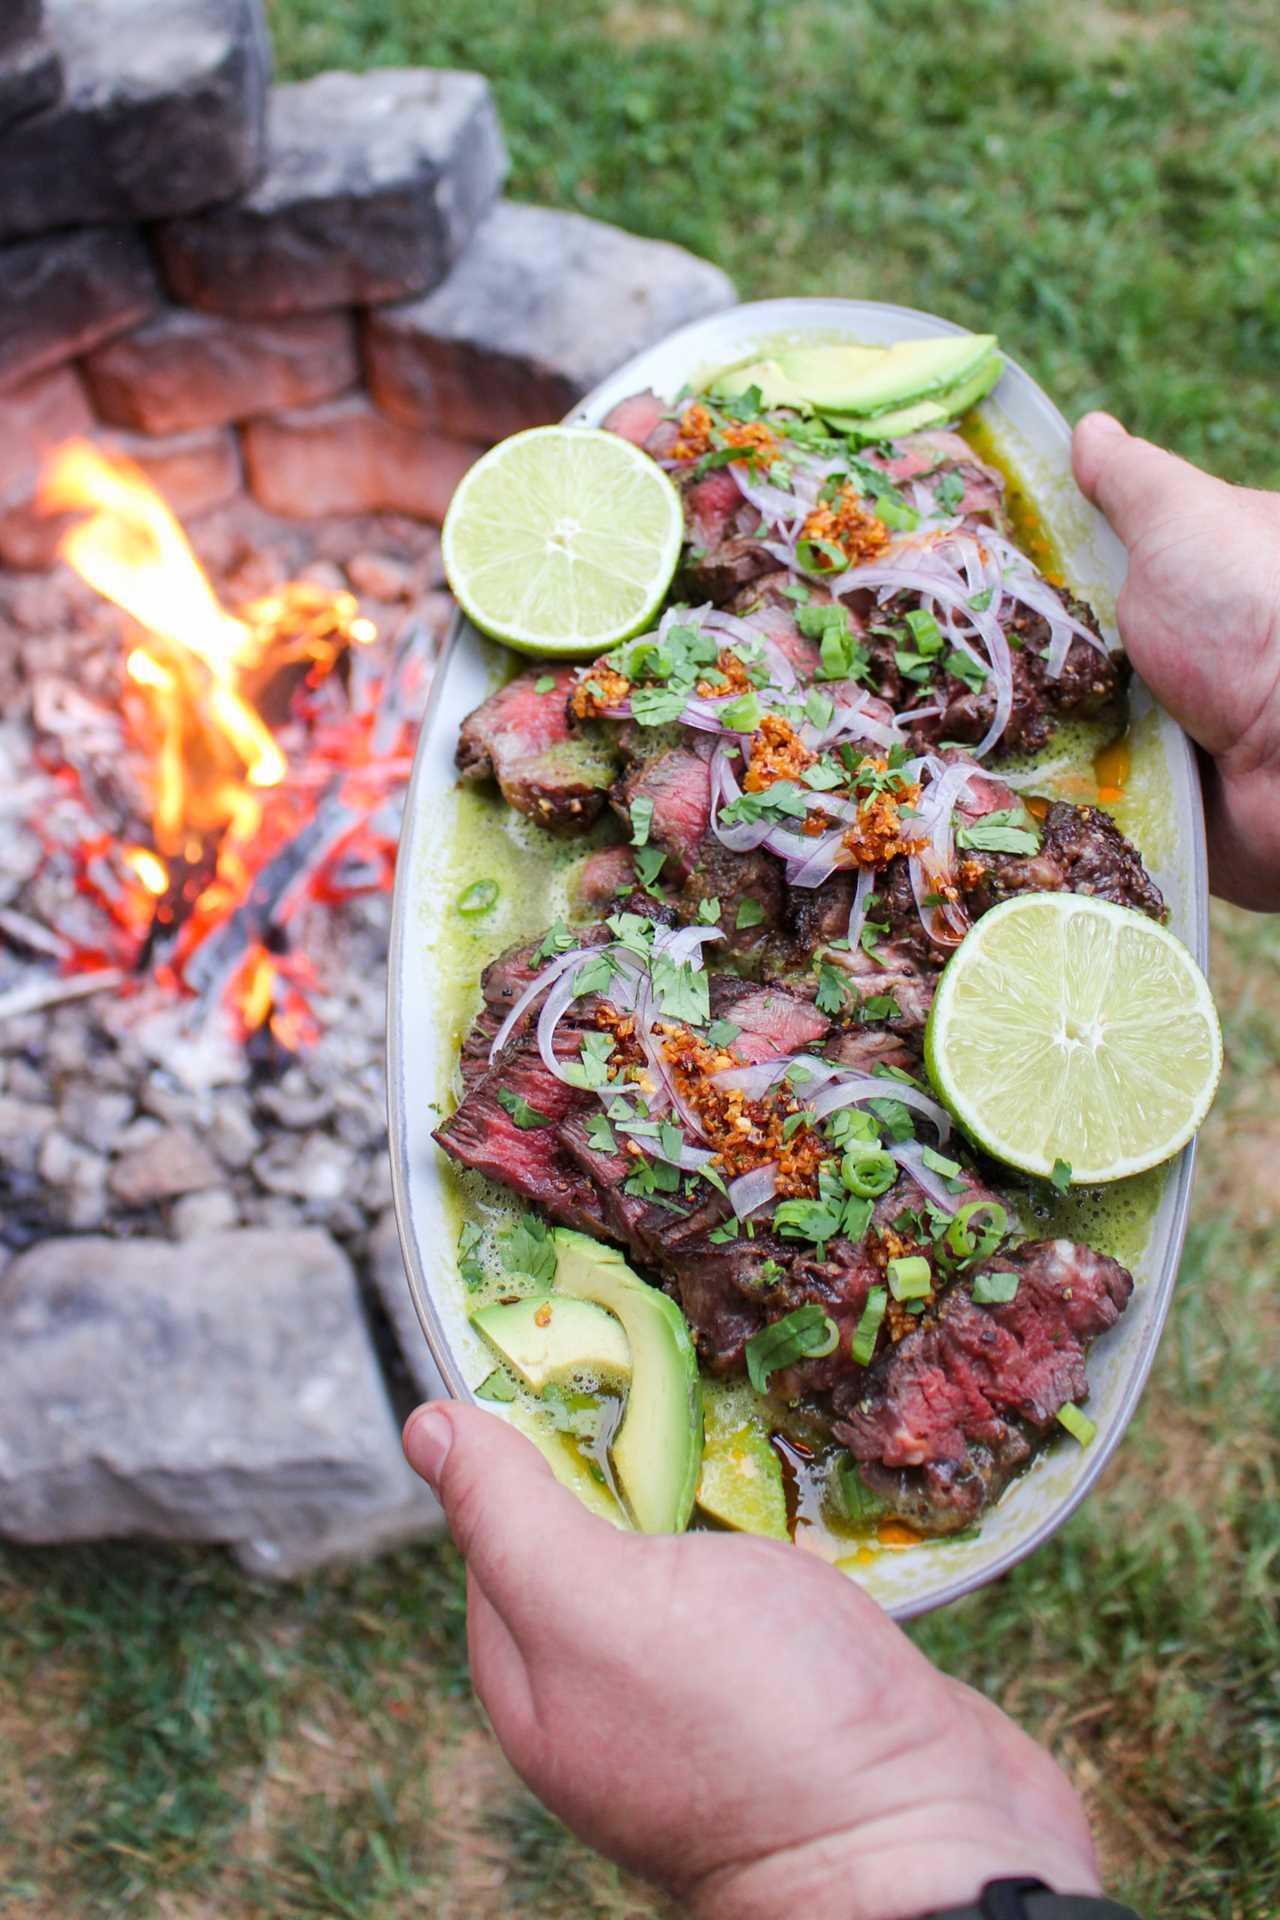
pixel 949 492
pixel 600 1134
pixel 1062 1175
pixel 722 1033
pixel 557 939
pixel 833 993
pixel 649 864
pixel 641 819
pixel 529 1248
pixel 525 1116
pixel 750 913
pixel 1010 830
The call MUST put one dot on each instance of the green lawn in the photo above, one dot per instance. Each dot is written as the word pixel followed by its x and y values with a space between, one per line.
pixel 1100 185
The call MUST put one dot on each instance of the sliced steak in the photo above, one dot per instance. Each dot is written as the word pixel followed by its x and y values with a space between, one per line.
pixel 926 459
pixel 481 1134
pixel 643 419
pixel 944 1417
pixel 603 879
pixel 522 739
pixel 1083 851
pixel 770 1020
pixel 677 779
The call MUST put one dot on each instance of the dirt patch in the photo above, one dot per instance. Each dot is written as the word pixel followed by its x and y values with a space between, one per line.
pixel 631 25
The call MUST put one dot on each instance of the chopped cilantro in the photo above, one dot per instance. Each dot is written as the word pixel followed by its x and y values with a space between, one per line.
pixel 807 1333
pixel 1062 1175
pixel 470 1241
pixel 925 631
pixel 591 1069
pixel 657 706
pixel 594 975
pixel 995 1289
pixel 750 913
pixel 495 1386
pixel 879 1006
pixel 818 706
pixel 722 1033
pixel 793 1123
pixel 545 683
pixel 806 1220
pixel 600 1134
pixel 557 939
pixel 529 1248
pixel 649 864
pixel 1010 830
pixel 743 714
pixel 949 492
pixel 525 1116
pixel 670 1141
pixel 964 667
pixel 833 992
pixel 683 992
pixel 633 931
pixel 709 912
pixel 641 819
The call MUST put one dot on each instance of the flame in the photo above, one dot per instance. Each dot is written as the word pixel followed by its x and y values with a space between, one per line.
pixel 152 872
pixel 226 805
pixel 133 551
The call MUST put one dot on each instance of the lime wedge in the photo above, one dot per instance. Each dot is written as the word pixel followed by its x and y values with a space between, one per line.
pixel 1066 1029
pixel 563 540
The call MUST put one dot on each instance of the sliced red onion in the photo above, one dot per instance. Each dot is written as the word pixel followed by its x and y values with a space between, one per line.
pixel 692 1158
pixel 684 943
pixel 858 912
pixel 821 862
pixel 776 506
pixel 854 1089
pixel 909 1155
pixel 751 1190
pixel 748 834
pixel 756 1081
pixel 537 986
pixel 554 1008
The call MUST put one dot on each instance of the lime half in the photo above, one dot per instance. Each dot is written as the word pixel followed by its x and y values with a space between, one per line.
pixel 563 540
pixel 1068 1029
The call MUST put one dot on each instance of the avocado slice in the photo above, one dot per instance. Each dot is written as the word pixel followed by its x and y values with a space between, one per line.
pixel 546 1339
pixel 657 1448
pixel 567 1464
pixel 741 1479
pixel 925 413
pixel 777 388
pixel 909 370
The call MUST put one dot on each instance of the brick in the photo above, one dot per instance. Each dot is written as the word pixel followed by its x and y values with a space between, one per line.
pixel 346 457
pixel 162 112
pixel 65 292
pixel 19 20
pixel 187 369
pixel 34 418
pixel 30 78
pixel 374 184
pixel 541 307
pixel 194 471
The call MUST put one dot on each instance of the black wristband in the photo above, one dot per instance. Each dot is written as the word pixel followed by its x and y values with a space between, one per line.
pixel 1032 1900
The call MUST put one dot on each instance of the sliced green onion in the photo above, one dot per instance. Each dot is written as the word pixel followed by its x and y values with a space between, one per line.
pixel 910 1277
pixel 861 1505
pixel 966 1245
pixel 995 1289
pixel 477 898
pixel 864 1334
pixel 868 1174
pixel 806 1334
pixel 1077 1424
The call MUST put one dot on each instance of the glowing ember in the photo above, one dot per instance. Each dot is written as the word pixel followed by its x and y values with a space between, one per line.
pixel 244 825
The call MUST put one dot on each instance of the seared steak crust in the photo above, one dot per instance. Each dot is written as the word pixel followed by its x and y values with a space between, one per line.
pixel 522 739
pixel 945 1416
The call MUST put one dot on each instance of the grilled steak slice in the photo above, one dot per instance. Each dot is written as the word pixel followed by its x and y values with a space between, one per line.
pixel 483 1135
pixel 770 1020
pixel 948 1414
pixel 643 419
pixel 1083 851
pixel 1089 683
pixel 677 779
pixel 522 738
pixel 603 879
pixel 926 459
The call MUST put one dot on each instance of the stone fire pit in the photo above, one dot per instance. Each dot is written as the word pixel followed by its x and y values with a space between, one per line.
pixel 301 311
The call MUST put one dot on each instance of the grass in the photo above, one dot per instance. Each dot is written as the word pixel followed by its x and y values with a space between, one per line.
pixel 1098 183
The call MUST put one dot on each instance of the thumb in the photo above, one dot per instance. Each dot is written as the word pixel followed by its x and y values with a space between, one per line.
pixel 520 1531
pixel 1131 481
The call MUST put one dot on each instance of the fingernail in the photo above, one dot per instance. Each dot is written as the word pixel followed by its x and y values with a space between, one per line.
pixel 428 1436
pixel 1103 423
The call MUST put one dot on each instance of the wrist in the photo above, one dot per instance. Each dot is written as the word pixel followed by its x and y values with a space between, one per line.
pixel 897 1873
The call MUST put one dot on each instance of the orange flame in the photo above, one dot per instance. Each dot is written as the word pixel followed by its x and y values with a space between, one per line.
pixel 133 551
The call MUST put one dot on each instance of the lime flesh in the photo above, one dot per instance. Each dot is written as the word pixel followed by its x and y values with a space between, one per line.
pixel 563 540
pixel 1067 1029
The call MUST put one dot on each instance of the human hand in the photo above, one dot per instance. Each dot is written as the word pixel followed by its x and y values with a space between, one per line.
pixel 731 1717
pixel 1199 616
